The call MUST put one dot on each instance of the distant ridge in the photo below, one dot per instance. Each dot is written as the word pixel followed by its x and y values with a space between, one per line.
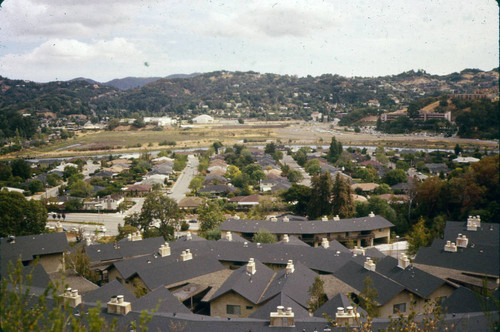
pixel 127 83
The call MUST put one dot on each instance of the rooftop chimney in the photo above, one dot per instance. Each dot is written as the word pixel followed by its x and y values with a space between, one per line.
pixel 473 223
pixel 189 236
pixel 186 255
pixel 274 219
pixel 88 241
pixel 286 239
pixel 450 246
pixel 229 236
pixel 324 243
pixel 72 297
pixel 369 265
pixel 11 239
pixel 129 237
pixel 336 217
pixel 358 251
pixel 403 261
pixel 137 236
pixel 346 317
pixel 324 218
pixel 251 266
pixel 282 317
pixel 371 215
pixel 165 250
pixel 285 219
pixel 462 241
pixel 117 305
pixel 290 268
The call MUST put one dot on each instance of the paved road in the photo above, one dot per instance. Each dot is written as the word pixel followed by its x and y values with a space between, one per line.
pixel 181 186
pixel 288 160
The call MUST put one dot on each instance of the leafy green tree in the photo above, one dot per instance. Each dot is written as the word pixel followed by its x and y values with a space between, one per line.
pixel 20 216
pixel 299 196
pixel 53 179
pixel 21 168
pixel 255 173
pixel 211 216
pixel 69 171
pixel 5 172
pixel 317 295
pixel 395 176
pixel 342 202
pixel 312 167
pixel 321 195
pixel 35 186
pixel 232 172
pixel 159 212
pixel 383 189
pixel 211 234
pixel 295 176
pixel 264 236
pixel 334 151
pixel 124 231
pixel 80 188
pixel 270 148
pixel 367 298
pixel 419 236
pixel 217 145
pixel 196 183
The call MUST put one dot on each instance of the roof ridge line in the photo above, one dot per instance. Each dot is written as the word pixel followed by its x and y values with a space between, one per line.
pixel 267 286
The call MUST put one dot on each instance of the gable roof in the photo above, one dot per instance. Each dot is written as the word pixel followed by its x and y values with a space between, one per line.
pixel 103 294
pixel 162 298
pixel 28 247
pixel 306 227
pixel 355 275
pixel 123 249
pixel 478 259
pixel 283 300
pixel 295 285
pixel 486 235
pixel 414 279
pixel 250 286
pixel 464 300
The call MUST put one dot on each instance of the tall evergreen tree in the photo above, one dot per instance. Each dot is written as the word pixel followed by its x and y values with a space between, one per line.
pixel 321 193
pixel 335 150
pixel 342 202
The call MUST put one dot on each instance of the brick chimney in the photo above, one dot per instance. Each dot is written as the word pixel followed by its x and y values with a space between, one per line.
pixel 285 219
pixel 324 243
pixel 72 297
pixel 117 305
pixel 251 269
pixel 462 241
pixel 369 265
pixel 403 261
pixel 371 215
pixel 274 219
pixel 189 236
pixel 336 218
pixel 165 250
pixel 324 218
pixel 450 247
pixel 286 239
pixel 229 236
pixel 290 268
pixel 186 255
pixel 282 317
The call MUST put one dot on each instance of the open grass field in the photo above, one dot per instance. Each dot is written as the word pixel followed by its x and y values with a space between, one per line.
pixel 292 133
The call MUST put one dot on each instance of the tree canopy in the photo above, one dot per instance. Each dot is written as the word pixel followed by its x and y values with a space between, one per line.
pixel 20 216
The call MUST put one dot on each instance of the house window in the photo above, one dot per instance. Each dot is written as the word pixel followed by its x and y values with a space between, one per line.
pixel 399 308
pixel 249 307
pixel 233 309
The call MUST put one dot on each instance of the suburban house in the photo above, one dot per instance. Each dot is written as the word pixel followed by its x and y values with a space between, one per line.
pixel 365 231
pixel 109 202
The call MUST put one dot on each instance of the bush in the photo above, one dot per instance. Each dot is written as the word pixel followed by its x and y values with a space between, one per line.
pixel 184 226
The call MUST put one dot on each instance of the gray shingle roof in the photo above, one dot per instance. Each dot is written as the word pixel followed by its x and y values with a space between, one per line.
pixel 463 300
pixel 284 300
pixel 29 247
pixel 478 259
pixel 250 286
pixel 295 285
pixel 171 273
pixel 355 275
pixel 486 235
pixel 104 293
pixel 339 300
pixel 414 279
pixel 306 227
pixel 123 249
pixel 162 297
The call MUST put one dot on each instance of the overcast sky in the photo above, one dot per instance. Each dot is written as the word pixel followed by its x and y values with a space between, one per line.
pixel 46 40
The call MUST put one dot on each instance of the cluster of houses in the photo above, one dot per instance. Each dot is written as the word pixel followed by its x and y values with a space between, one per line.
pixel 235 284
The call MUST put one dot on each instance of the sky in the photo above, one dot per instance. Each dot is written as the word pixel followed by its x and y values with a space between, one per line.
pixel 48 40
